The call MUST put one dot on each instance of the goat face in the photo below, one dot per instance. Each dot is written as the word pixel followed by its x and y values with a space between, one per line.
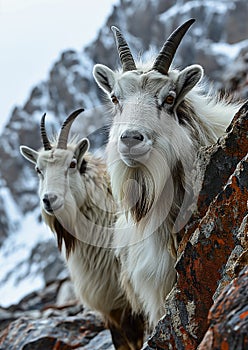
pixel 59 175
pixel 146 107
pixel 59 168
pixel 146 100
pixel 148 136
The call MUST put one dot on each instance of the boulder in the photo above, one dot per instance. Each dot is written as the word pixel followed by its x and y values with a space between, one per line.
pixel 60 333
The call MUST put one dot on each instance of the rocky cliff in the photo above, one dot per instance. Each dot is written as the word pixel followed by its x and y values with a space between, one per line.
pixel 217 41
pixel 212 253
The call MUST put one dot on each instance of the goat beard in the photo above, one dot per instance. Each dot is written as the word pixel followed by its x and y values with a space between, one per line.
pixel 62 223
pixel 135 189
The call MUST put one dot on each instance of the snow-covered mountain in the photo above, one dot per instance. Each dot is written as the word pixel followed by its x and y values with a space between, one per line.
pixel 218 41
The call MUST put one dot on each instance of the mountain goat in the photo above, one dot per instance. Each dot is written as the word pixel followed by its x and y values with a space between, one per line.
pixel 77 204
pixel 161 118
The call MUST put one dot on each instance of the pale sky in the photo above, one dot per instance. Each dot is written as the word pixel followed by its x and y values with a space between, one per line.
pixel 32 35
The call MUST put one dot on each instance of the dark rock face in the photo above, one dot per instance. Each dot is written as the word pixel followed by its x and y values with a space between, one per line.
pixel 228 317
pixel 51 332
pixel 45 321
pixel 210 238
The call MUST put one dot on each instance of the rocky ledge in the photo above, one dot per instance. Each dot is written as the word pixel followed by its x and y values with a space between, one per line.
pixel 45 321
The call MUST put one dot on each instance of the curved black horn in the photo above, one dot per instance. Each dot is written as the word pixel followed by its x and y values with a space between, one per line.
pixel 46 142
pixel 126 57
pixel 64 133
pixel 167 53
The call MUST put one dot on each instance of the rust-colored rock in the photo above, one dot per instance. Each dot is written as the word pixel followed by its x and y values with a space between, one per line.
pixel 222 208
pixel 228 318
pixel 58 333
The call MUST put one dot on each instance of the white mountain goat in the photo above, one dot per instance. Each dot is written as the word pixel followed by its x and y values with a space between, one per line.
pixel 77 205
pixel 161 118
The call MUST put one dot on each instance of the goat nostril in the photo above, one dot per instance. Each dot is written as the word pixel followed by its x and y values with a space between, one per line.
pixel 48 200
pixel 131 138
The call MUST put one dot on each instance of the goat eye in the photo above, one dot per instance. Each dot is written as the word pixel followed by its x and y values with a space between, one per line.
pixel 114 99
pixel 169 99
pixel 73 164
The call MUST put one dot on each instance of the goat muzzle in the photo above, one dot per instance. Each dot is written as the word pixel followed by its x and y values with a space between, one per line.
pixel 51 202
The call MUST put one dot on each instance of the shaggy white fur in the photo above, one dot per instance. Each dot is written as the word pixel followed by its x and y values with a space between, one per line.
pixel 81 212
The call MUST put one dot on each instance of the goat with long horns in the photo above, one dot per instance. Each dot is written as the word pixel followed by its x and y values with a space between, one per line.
pixel 162 117
pixel 76 203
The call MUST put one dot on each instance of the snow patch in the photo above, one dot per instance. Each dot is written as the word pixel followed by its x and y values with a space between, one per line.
pixel 229 50
pixel 14 256
pixel 10 205
pixel 220 7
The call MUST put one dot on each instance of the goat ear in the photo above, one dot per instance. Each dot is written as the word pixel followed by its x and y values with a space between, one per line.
pixel 104 77
pixel 81 148
pixel 30 154
pixel 187 79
